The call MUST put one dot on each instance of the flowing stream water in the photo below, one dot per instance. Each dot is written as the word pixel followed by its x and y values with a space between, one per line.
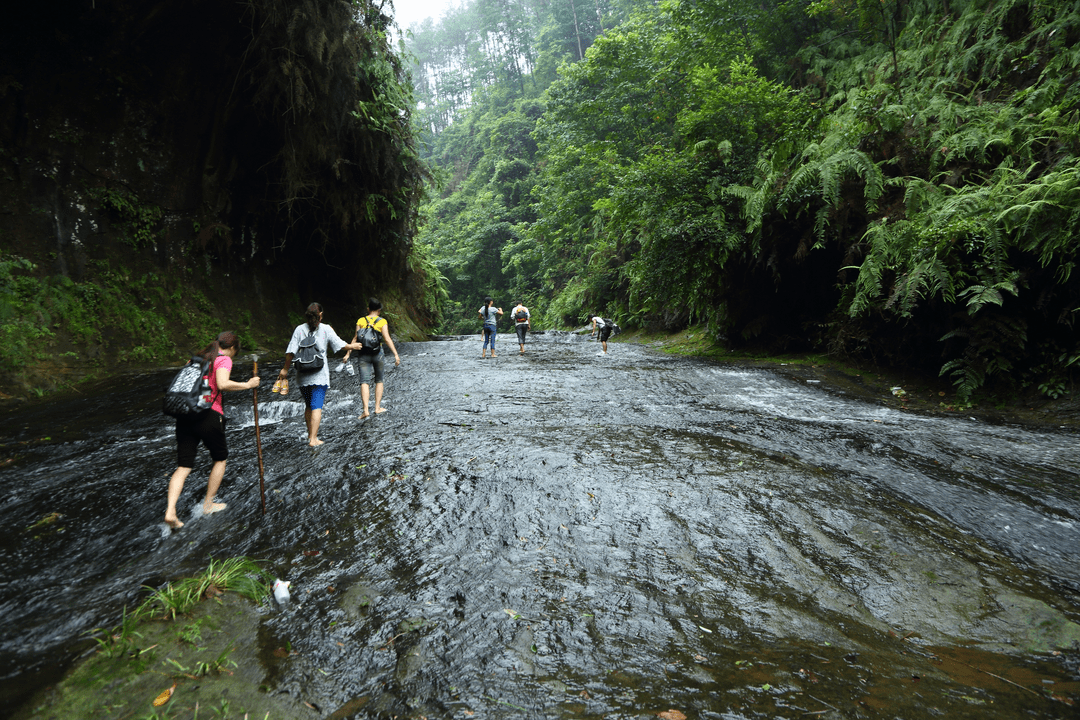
pixel 562 534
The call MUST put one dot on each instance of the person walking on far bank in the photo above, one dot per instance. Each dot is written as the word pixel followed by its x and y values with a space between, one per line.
pixel 490 316
pixel 208 427
pixel 521 316
pixel 371 359
pixel 604 328
pixel 309 340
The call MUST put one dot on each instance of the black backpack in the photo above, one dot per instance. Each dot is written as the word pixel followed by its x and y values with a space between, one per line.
pixel 189 392
pixel 615 329
pixel 368 336
pixel 308 358
pixel 521 315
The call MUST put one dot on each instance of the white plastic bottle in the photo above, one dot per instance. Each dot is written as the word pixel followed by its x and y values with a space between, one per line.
pixel 281 591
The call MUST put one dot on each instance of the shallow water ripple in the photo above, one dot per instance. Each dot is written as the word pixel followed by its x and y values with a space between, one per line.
pixel 566 535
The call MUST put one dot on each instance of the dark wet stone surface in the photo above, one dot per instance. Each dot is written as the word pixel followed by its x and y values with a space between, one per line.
pixel 564 534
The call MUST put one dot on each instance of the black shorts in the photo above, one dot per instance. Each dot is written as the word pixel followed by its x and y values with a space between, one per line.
pixel 521 332
pixel 605 333
pixel 208 428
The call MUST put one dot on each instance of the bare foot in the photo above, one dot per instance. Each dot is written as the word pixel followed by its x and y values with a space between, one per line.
pixel 365 416
pixel 214 507
pixel 173 523
pixel 380 410
pixel 315 443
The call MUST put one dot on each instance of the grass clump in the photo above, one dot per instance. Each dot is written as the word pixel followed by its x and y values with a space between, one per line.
pixel 151 666
pixel 240 575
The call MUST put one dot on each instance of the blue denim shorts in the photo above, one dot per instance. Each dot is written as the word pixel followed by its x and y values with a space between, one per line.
pixel 314 396
pixel 371 364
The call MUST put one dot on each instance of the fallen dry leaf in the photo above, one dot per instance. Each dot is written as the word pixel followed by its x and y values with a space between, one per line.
pixel 671 715
pixel 164 696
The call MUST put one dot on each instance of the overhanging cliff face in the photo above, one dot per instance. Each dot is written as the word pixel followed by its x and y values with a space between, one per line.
pixel 213 136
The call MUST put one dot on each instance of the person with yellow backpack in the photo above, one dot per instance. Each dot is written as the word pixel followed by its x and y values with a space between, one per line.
pixel 372 332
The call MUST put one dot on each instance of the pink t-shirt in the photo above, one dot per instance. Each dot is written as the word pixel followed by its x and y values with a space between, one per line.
pixel 221 361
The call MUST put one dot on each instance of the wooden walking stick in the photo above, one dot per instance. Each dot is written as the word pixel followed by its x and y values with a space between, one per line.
pixel 258 438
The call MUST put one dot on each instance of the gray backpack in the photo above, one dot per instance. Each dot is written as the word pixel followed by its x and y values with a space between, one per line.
pixel 368 336
pixel 189 392
pixel 308 357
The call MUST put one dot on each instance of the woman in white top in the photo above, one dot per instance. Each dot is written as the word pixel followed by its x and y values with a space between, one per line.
pixel 600 325
pixel 314 384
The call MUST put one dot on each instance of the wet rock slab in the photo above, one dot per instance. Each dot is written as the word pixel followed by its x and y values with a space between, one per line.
pixel 562 534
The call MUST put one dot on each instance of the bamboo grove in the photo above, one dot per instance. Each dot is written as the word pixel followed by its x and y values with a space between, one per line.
pixel 892 179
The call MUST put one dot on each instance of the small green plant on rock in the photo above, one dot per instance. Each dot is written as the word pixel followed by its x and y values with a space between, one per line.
pixel 22 323
pixel 191 633
pixel 118 641
pixel 139 222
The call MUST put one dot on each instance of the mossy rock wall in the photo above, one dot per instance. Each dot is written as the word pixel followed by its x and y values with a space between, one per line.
pixel 165 181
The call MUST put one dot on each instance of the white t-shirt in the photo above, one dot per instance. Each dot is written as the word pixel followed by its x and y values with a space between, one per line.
pixel 514 312
pixel 325 337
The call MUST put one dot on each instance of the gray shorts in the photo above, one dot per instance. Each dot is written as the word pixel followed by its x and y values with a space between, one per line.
pixel 370 364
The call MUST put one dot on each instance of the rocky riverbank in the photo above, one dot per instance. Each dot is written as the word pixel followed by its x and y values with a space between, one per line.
pixel 890 387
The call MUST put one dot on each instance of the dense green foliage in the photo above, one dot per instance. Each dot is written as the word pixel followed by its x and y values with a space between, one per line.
pixel 142 313
pixel 480 139
pixel 513 44
pixel 896 180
